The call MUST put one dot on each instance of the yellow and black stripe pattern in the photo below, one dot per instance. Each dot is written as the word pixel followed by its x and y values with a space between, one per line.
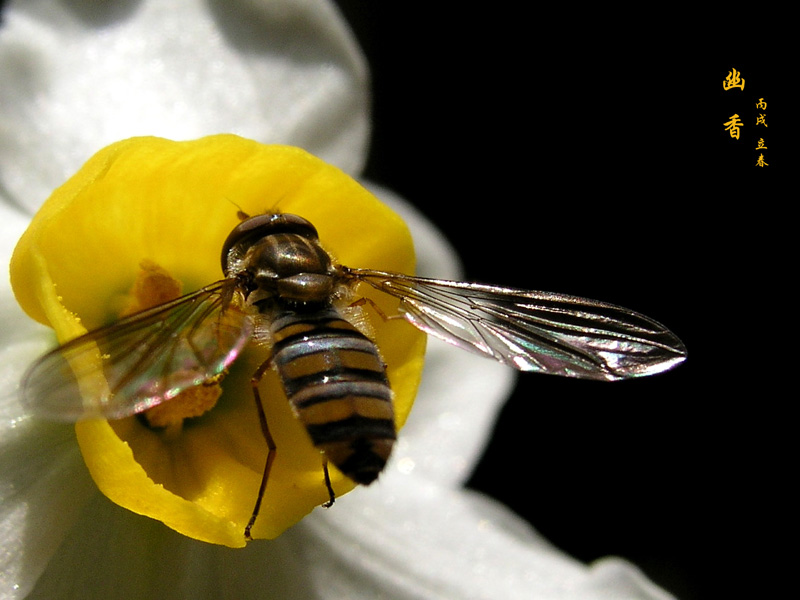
pixel 336 382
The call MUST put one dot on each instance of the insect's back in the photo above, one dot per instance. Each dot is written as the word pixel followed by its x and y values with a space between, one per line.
pixel 336 383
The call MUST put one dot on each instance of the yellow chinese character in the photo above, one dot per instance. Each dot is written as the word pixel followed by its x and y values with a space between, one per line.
pixel 733 80
pixel 760 120
pixel 760 162
pixel 761 145
pixel 733 126
pixel 761 104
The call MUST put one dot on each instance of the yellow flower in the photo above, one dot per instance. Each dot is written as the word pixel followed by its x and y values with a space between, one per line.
pixel 173 204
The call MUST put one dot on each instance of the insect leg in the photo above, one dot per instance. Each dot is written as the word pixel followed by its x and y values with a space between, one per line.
pixel 331 493
pixel 364 300
pixel 271 448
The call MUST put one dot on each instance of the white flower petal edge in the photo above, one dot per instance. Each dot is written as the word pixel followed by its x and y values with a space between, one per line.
pixel 420 540
pixel 78 76
pixel 424 542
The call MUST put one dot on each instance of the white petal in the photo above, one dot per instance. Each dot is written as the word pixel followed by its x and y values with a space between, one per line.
pixel 21 339
pixel 78 76
pixel 612 578
pixel 43 481
pixel 13 221
pixel 43 486
pixel 113 553
pixel 400 542
pixel 453 416
pixel 421 541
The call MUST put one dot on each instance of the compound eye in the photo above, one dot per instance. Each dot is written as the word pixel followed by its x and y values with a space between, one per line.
pixel 255 228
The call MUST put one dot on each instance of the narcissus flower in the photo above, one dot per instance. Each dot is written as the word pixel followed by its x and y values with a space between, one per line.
pixel 79 76
pixel 156 211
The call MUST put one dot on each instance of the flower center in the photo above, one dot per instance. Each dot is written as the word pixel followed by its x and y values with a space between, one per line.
pixel 153 286
pixel 169 201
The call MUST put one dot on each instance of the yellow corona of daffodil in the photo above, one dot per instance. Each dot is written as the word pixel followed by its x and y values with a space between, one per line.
pixel 146 206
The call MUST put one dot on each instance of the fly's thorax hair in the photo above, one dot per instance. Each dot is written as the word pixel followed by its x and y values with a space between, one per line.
pixel 262 332
pixel 345 299
pixel 355 314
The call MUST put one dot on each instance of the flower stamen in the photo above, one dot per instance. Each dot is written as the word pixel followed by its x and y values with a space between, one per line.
pixel 153 286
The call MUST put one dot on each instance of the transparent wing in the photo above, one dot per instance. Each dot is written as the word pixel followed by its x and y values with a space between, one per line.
pixel 533 331
pixel 140 360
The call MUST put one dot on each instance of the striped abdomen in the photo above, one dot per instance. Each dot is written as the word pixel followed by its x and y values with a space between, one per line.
pixel 337 384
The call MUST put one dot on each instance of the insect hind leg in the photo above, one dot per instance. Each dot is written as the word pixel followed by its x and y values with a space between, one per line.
pixel 363 300
pixel 271 447
pixel 331 493
pixel 272 451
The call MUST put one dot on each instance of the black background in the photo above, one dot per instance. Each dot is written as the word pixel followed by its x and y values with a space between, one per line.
pixel 587 154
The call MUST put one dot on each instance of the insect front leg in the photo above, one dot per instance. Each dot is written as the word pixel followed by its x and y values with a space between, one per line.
pixel 271 447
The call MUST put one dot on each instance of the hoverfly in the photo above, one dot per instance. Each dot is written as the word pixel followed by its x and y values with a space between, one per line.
pixel 280 284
